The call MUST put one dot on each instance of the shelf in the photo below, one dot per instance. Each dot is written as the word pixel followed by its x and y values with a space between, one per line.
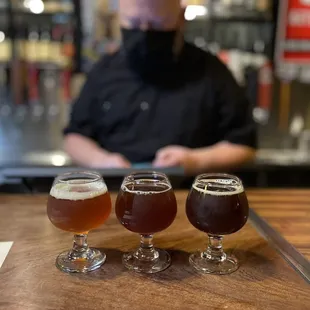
pixel 242 19
pixel 23 13
pixel 49 8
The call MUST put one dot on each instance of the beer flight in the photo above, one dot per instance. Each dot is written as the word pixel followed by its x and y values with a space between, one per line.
pixel 80 202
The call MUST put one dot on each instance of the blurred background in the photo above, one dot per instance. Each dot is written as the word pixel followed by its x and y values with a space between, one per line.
pixel 47 47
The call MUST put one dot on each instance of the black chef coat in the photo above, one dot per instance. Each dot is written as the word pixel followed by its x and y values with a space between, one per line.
pixel 195 105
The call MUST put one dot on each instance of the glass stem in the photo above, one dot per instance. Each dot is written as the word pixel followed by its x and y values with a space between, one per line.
pixel 146 252
pixel 80 249
pixel 215 250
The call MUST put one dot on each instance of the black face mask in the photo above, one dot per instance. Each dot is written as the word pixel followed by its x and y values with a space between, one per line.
pixel 150 53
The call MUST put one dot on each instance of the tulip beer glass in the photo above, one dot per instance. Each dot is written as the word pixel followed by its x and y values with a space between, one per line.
pixel 218 206
pixel 146 204
pixel 79 202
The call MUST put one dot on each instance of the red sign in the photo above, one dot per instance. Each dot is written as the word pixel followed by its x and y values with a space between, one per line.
pixel 294 32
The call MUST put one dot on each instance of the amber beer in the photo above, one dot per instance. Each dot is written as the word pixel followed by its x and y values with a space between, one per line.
pixel 78 207
pixel 217 209
pixel 146 208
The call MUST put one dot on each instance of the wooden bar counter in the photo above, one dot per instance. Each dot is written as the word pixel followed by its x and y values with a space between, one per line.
pixel 287 211
pixel 265 280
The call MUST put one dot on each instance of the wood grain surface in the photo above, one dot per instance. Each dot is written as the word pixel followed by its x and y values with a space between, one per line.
pixel 288 212
pixel 30 280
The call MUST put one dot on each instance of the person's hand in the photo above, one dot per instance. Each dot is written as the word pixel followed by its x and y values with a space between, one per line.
pixel 115 160
pixel 172 156
pixel 111 160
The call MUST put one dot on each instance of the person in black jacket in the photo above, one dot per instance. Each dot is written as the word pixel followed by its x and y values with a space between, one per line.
pixel 160 99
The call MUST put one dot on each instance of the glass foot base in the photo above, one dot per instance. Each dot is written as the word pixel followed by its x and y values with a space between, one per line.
pixel 93 260
pixel 162 262
pixel 205 265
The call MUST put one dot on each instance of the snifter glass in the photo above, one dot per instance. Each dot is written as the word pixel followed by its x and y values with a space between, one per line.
pixel 79 202
pixel 146 204
pixel 218 206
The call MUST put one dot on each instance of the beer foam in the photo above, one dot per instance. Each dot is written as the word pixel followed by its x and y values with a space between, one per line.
pixel 77 190
pixel 219 183
pixel 125 188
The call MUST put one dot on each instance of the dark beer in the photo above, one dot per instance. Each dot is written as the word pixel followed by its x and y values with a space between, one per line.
pixel 146 208
pixel 78 207
pixel 217 208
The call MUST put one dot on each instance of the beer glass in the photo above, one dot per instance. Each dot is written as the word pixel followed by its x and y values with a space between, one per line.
pixel 146 204
pixel 79 202
pixel 218 206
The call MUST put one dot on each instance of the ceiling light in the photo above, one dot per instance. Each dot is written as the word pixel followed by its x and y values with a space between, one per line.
pixel 36 6
pixel 2 36
pixel 193 11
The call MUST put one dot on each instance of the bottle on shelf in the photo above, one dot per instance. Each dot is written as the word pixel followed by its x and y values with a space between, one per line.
pixel 5 56
pixel 49 78
pixel 68 54
pixel 32 49
pixel 44 55
pixel 18 74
